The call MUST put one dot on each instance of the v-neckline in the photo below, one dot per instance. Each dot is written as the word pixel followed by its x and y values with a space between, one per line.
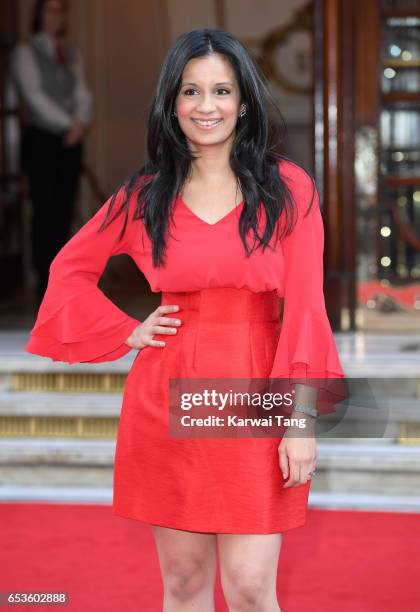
pixel 206 222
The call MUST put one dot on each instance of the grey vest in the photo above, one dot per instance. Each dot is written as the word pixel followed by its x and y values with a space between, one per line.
pixel 58 82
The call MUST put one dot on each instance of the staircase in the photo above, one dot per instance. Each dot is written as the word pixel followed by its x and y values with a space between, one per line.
pixel 58 426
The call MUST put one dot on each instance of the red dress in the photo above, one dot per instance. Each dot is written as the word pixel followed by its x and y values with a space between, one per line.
pixel 229 308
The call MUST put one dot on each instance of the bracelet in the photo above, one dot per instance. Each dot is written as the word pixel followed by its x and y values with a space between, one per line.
pixel 306 409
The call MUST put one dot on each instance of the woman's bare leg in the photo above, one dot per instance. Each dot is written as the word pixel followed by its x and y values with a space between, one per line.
pixel 188 563
pixel 248 571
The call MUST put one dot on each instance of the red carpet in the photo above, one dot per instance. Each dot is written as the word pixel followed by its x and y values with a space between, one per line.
pixel 340 560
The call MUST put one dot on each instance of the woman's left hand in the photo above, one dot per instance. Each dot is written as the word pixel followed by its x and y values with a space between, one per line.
pixel 297 456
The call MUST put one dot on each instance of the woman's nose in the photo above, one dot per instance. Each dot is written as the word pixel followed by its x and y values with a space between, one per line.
pixel 206 104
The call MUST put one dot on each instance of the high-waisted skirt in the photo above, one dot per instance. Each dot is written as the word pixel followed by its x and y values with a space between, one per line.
pixel 212 485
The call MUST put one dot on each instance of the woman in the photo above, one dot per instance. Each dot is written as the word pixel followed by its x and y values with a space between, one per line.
pixel 212 178
pixel 57 110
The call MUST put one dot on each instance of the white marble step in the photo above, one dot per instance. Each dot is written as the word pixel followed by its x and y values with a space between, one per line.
pixel 56 451
pixel 372 456
pixel 317 500
pixel 362 354
pixel 63 494
pixel 341 468
pixel 364 501
pixel 60 404
pixel 367 468
pixel 56 462
pixel 337 455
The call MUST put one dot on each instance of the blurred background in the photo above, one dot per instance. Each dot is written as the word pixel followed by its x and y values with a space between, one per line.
pixel 346 76
pixel 347 79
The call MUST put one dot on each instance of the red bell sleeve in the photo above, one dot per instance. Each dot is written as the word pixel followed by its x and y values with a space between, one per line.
pixel 306 350
pixel 76 321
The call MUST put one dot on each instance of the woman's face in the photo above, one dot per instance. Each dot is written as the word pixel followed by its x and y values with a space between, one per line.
pixel 53 16
pixel 208 101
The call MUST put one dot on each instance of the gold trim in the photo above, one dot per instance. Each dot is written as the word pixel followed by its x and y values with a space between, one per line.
pixel 400 63
pixel 67 383
pixel 266 48
pixel 58 427
pixel 409 434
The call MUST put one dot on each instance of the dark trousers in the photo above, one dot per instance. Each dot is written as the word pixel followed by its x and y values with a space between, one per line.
pixel 53 171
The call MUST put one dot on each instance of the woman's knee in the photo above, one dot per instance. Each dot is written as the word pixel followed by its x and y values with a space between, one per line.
pixel 247 587
pixel 185 577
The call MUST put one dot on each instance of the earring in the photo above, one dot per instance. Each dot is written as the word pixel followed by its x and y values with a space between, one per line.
pixel 243 111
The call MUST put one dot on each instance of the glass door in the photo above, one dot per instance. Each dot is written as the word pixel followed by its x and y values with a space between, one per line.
pixel 389 262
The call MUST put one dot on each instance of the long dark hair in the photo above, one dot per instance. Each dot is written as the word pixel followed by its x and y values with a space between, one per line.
pixel 254 157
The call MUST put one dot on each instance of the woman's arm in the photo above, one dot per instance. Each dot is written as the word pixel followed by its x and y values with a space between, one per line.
pixel 306 350
pixel 76 321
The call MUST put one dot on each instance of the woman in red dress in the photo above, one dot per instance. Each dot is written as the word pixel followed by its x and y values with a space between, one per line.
pixel 226 228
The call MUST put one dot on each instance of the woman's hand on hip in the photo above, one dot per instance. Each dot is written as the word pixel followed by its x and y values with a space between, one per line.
pixel 155 323
pixel 297 455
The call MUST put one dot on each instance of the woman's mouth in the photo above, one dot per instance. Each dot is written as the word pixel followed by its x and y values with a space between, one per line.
pixel 207 124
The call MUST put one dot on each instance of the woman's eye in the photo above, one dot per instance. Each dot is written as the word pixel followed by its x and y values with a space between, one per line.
pixel 187 91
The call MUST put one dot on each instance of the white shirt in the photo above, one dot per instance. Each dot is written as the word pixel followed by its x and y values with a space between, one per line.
pixel 27 72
